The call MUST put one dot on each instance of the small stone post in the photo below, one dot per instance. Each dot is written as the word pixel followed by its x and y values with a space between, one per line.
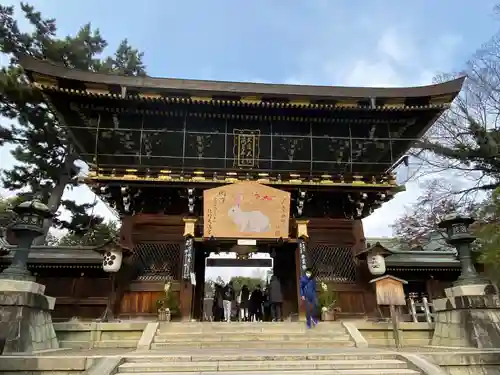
pixel 25 318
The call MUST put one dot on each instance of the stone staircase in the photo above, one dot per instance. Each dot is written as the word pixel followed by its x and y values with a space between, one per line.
pixel 349 361
pixel 260 335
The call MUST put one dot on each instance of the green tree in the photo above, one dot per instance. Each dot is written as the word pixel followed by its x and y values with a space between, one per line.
pixel 43 153
pixel 487 230
pixel 5 205
pixel 97 235
pixel 251 282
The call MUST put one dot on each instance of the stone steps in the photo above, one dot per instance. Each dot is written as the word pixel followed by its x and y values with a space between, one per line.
pixel 213 337
pixel 266 363
pixel 299 372
pixel 351 354
pixel 259 349
pixel 313 331
pixel 224 366
pixel 250 335
pixel 246 327
pixel 250 345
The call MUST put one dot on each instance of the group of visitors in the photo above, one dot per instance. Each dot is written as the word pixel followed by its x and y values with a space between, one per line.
pixel 263 304
pixel 252 305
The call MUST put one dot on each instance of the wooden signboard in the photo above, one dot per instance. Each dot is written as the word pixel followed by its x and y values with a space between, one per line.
pixel 389 290
pixel 246 210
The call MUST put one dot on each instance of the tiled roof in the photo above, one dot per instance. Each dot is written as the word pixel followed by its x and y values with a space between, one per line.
pixel 69 255
pixel 432 254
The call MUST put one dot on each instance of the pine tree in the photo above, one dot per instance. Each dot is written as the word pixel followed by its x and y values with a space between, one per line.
pixel 99 234
pixel 44 156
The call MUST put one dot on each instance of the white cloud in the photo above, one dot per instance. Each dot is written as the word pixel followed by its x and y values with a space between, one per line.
pixel 393 45
pixel 369 74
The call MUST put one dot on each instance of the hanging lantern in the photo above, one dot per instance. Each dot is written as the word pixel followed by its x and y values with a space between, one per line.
pixel 112 256
pixel 375 258
pixel 112 260
pixel 376 264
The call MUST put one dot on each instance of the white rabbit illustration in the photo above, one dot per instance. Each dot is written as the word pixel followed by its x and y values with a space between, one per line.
pixel 250 221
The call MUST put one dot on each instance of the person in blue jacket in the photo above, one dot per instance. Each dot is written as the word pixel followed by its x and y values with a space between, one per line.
pixel 308 296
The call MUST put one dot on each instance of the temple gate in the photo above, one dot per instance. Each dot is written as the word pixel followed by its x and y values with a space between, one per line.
pixel 156 148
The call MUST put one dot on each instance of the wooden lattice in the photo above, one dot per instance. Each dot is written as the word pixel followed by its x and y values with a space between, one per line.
pixel 158 261
pixel 331 263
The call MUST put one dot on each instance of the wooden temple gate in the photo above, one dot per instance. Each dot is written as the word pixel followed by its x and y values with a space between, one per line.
pixel 155 144
pixel 158 244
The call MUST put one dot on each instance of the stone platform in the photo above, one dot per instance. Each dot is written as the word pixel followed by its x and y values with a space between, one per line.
pixel 25 317
pixel 469 316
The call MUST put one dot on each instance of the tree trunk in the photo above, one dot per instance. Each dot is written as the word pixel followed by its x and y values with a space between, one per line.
pixel 53 205
pixel 108 315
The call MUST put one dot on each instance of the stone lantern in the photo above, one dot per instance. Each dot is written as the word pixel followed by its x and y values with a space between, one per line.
pixel 469 314
pixel 27 225
pixel 375 258
pixel 25 310
pixel 457 231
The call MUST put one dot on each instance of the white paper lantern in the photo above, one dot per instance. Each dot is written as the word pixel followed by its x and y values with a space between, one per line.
pixel 376 264
pixel 112 260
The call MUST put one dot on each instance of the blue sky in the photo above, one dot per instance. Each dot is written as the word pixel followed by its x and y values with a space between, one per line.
pixel 365 42
pixel 329 42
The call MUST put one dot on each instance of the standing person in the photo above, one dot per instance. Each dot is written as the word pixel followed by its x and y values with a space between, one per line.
pixel 266 305
pixel 244 303
pixel 256 300
pixel 308 296
pixel 276 299
pixel 227 300
pixel 217 307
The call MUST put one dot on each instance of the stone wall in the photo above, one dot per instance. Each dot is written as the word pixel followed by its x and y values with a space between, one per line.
pixel 468 321
pixel 47 365
pixel 88 335
pixel 25 322
pixel 467 363
pixel 382 334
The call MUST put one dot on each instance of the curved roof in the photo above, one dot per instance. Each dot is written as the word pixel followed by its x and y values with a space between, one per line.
pixel 213 88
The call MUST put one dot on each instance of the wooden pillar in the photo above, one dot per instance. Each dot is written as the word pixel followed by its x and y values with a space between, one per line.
pixel 300 262
pixel 359 236
pixel 199 290
pixel 186 287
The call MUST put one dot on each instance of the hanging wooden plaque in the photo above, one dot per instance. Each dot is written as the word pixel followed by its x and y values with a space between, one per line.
pixel 246 210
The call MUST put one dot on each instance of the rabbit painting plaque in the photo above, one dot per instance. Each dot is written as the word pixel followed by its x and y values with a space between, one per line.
pixel 246 210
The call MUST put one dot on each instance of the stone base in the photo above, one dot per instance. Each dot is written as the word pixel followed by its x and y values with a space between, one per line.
pixel 470 290
pixel 467 320
pixel 25 317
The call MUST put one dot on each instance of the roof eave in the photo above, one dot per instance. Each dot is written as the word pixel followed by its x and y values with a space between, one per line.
pixel 205 87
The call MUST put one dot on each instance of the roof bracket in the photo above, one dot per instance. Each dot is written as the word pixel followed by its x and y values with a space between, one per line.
pixel 373 101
